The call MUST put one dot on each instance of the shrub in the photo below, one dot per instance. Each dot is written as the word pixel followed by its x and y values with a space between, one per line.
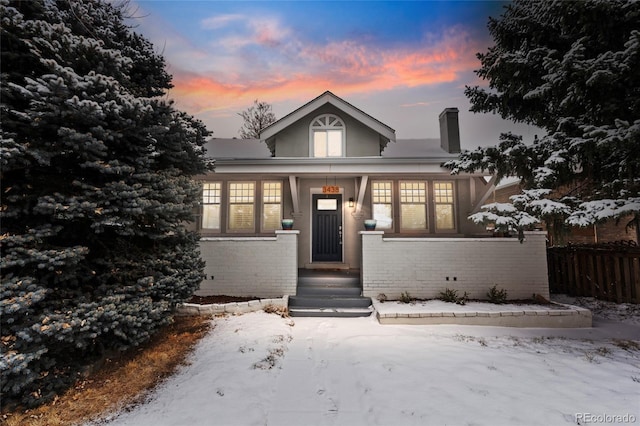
pixel 497 296
pixel 405 297
pixel 451 296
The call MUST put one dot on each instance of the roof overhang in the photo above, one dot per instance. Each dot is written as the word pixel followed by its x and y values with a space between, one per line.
pixel 333 166
pixel 328 97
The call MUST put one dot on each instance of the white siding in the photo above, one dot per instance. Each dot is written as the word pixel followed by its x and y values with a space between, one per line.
pixel 421 266
pixel 250 266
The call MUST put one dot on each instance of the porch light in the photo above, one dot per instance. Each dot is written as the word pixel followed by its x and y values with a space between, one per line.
pixel 351 202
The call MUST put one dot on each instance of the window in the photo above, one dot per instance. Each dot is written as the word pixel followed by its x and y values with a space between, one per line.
pixel 211 205
pixel 381 197
pixel 443 198
pixel 327 136
pixel 323 204
pixel 413 205
pixel 271 205
pixel 241 206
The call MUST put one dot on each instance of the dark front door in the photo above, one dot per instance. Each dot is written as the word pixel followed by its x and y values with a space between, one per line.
pixel 327 228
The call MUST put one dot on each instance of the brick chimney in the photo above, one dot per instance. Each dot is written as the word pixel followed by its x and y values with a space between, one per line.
pixel 450 130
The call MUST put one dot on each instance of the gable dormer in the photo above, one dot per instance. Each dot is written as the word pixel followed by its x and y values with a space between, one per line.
pixel 327 127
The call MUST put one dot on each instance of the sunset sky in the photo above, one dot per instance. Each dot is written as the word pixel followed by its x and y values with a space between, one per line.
pixel 401 62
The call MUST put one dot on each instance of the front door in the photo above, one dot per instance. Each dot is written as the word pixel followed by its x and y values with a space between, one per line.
pixel 326 244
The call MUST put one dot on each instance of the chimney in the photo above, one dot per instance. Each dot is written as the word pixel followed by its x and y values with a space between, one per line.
pixel 450 130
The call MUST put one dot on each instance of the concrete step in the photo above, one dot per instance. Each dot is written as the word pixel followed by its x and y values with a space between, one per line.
pixel 330 306
pixel 326 280
pixel 332 302
pixel 328 291
pixel 331 312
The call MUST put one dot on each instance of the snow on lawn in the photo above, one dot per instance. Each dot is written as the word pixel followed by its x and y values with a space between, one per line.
pixel 624 312
pixel 261 369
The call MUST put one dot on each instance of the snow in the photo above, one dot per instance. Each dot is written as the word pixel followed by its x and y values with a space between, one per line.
pixel 261 369
pixel 431 306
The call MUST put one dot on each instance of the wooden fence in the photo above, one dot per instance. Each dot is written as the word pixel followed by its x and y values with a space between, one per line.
pixel 607 272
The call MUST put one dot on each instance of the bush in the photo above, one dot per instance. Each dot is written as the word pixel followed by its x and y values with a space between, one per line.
pixel 497 296
pixel 405 297
pixel 451 296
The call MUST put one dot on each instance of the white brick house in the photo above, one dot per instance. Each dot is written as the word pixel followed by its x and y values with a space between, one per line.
pixel 330 166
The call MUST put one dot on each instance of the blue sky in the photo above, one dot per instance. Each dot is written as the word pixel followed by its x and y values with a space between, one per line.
pixel 402 62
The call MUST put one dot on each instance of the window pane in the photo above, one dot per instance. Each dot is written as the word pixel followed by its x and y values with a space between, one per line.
pixel 271 216
pixel 327 204
pixel 413 216
pixel 327 136
pixel 241 217
pixel 383 215
pixel 319 143
pixel 443 192
pixel 271 205
pixel 443 197
pixel 444 216
pixel 241 207
pixel 334 142
pixel 271 192
pixel 413 192
pixel 211 192
pixel 241 192
pixel 381 192
pixel 211 216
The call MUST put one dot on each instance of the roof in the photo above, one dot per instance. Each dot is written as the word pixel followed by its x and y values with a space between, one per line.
pixel 232 148
pixel 328 97
pixel 416 148
pixel 245 149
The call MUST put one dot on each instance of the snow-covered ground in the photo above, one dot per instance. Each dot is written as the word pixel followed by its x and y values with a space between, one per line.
pixel 261 369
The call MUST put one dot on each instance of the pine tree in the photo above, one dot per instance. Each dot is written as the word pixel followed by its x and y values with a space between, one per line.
pixel 96 192
pixel 571 68
pixel 256 118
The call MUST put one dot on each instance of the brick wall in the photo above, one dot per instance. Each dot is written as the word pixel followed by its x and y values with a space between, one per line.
pixel 250 266
pixel 421 266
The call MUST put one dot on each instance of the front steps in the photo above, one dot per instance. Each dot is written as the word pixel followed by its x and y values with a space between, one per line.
pixel 329 293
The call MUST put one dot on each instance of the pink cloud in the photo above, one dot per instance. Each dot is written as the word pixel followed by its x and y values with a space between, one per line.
pixel 285 68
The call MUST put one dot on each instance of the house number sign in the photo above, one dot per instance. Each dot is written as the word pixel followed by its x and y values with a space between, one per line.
pixel 330 189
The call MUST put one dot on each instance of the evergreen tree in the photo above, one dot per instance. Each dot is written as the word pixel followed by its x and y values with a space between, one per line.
pixel 570 67
pixel 256 118
pixel 96 192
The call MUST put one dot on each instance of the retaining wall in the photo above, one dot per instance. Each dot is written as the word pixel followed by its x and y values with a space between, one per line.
pixel 264 267
pixel 424 267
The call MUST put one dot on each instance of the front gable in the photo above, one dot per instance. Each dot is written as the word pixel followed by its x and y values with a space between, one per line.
pixel 330 117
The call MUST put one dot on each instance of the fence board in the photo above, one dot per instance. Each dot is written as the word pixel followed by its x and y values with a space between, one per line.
pixel 626 271
pixel 636 280
pixel 617 270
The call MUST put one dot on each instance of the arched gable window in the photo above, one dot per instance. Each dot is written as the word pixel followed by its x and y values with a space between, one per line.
pixel 327 136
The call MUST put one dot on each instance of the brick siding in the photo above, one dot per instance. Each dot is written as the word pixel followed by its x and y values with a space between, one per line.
pixel 421 266
pixel 263 267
